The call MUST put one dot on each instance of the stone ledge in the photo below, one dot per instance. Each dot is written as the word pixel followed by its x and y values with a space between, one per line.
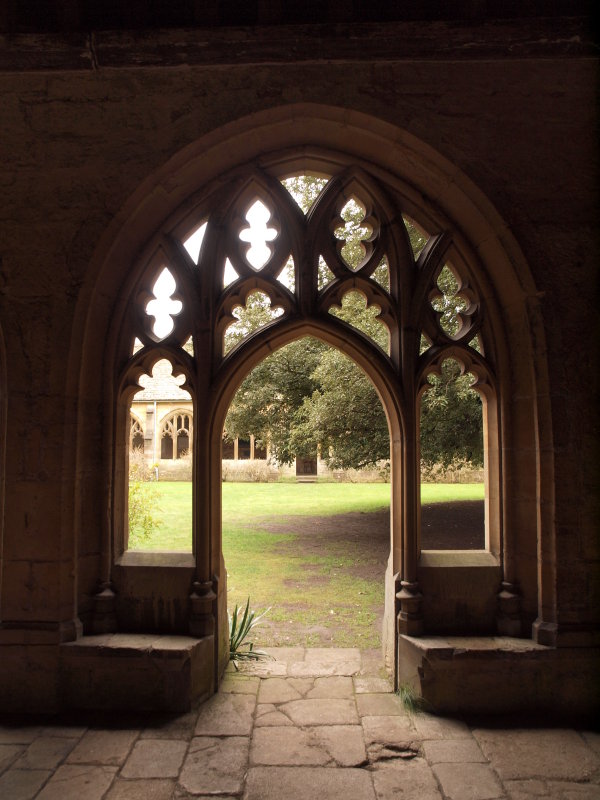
pixel 499 674
pixel 136 671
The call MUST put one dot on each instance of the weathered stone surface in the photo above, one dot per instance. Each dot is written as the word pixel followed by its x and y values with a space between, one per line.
pixel 299 783
pixel 321 712
pixel 286 747
pixel 25 734
pixel 226 715
pixel 280 690
pixel 335 687
pixel 410 780
pixel 344 743
pixel 372 685
pixel 468 781
pixel 379 705
pixel 20 784
pixel 74 782
pixel 45 752
pixel 546 754
pixel 268 715
pixel 8 754
pixel 141 790
pixel 155 758
pixel 180 726
pixel 110 747
pixel 453 751
pixel 428 726
pixel 394 730
pixel 324 662
pixel 215 766
pixel 239 684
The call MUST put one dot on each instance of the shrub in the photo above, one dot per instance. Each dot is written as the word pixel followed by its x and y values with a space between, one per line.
pixel 142 509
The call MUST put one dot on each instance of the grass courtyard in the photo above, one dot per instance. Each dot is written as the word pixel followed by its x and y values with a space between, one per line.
pixel 314 553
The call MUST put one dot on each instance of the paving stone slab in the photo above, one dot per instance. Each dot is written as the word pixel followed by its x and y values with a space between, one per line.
pixel 239 684
pixel 409 780
pixel 280 690
pixel 429 726
pixel 22 784
pixel 45 752
pixel 287 747
pixel 267 715
pixel 372 685
pixel 547 754
pixel 592 739
pixel 75 782
pixel 215 766
pixel 392 730
pixel 468 781
pixel 24 734
pixel 332 655
pixel 379 705
pixel 107 747
pixel 337 687
pixel 285 655
pixel 527 789
pixel 155 758
pixel 573 791
pixel 64 731
pixel 181 726
pixel 321 712
pixel 226 715
pixel 344 743
pixel 141 790
pixel 301 783
pixel 9 754
pixel 453 751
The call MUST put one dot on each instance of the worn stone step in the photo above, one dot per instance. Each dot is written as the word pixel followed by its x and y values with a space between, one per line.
pixel 136 671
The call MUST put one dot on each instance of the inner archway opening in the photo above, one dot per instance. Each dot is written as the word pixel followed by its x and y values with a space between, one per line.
pixel 306 525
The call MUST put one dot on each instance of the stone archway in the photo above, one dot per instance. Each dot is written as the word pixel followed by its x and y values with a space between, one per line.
pixel 444 200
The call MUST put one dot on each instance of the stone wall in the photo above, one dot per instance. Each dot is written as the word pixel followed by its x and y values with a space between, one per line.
pixel 83 134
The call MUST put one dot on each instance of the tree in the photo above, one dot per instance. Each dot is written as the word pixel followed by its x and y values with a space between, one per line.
pixel 451 419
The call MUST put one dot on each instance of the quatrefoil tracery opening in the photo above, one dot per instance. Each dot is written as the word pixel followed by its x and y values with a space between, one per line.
pixel 356 233
pixel 163 308
pixel 258 234
pixel 257 312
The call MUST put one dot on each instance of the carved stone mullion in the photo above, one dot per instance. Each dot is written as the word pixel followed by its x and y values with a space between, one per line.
pixel 508 620
pixel 104 612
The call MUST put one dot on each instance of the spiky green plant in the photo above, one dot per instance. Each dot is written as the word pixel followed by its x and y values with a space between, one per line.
pixel 240 625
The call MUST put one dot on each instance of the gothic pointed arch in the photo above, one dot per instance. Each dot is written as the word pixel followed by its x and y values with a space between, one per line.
pixel 211 195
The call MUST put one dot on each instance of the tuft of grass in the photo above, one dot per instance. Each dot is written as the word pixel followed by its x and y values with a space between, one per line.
pixel 412 702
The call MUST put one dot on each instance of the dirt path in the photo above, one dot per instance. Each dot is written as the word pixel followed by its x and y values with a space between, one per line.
pixel 363 539
pixel 444 526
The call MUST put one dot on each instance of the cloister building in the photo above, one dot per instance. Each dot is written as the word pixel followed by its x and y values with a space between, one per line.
pixel 139 142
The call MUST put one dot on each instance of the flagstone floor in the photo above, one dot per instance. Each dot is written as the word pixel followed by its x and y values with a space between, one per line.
pixel 309 724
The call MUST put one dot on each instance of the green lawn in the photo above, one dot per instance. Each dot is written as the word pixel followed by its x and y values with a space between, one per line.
pixel 330 594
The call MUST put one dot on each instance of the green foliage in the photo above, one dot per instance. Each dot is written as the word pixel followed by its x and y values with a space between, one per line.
pixel 240 627
pixel 451 419
pixel 344 415
pixel 142 509
pixel 412 702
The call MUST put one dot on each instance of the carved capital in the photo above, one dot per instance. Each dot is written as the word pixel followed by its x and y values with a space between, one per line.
pixel 410 616
pixel 202 620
